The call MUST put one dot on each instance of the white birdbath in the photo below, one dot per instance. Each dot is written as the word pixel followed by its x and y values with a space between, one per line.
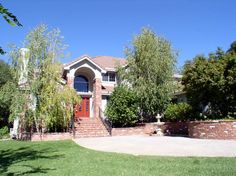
pixel 159 123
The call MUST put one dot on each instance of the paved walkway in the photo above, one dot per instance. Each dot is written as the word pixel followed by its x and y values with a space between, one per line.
pixel 162 146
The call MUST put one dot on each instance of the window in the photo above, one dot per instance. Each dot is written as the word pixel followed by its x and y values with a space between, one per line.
pixel 105 77
pixel 109 76
pixel 81 84
pixel 112 77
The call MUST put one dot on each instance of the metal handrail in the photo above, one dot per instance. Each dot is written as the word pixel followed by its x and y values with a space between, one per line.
pixel 107 123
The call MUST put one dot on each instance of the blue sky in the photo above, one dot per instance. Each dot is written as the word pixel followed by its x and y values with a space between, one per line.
pixel 105 27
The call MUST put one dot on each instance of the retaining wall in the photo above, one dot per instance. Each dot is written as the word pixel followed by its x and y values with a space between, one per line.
pixel 168 128
pixel 51 136
pixel 216 129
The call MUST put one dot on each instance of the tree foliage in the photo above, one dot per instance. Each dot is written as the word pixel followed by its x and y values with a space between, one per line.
pixel 122 108
pixel 149 72
pixel 56 100
pixel 10 19
pixel 210 83
pixel 178 112
pixel 45 101
pixel 6 87
pixel 5 73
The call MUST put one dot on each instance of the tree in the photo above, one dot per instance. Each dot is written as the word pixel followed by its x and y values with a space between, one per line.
pixel 56 100
pixel 10 18
pixel 6 82
pixel 5 73
pixel 44 100
pixel 122 108
pixel 149 73
pixel 210 83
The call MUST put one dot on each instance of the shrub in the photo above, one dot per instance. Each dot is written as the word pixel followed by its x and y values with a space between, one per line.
pixel 4 133
pixel 122 108
pixel 176 112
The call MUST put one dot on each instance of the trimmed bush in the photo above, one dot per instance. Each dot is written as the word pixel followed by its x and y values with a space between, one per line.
pixel 122 108
pixel 178 112
pixel 4 132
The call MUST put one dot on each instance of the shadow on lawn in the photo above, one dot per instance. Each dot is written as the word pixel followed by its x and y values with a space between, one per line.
pixel 18 157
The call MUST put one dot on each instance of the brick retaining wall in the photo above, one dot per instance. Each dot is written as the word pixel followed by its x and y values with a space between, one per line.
pixel 168 128
pixel 51 136
pixel 221 129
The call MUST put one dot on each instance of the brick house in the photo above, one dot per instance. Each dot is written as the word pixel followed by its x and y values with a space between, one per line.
pixel 94 79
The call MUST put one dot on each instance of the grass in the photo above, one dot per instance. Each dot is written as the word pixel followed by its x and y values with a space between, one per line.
pixel 64 158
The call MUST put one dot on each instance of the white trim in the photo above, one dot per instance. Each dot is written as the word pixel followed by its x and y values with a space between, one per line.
pixel 109 93
pixel 85 58
pixel 85 93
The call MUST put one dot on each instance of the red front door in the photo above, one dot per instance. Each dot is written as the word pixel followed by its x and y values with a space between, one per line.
pixel 82 110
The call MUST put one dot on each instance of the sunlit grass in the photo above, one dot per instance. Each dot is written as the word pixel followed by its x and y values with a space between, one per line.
pixel 63 158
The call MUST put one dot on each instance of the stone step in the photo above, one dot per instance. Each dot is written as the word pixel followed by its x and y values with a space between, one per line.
pixel 89 127
pixel 93 127
pixel 86 136
pixel 92 132
pixel 88 130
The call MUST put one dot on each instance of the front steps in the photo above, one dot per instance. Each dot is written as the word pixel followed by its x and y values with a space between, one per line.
pixel 90 127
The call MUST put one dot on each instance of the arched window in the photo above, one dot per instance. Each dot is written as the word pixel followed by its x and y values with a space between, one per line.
pixel 81 84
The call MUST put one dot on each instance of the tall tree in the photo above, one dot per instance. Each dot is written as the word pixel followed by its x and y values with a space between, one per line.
pixel 45 101
pixel 151 62
pixel 5 73
pixel 210 83
pixel 6 82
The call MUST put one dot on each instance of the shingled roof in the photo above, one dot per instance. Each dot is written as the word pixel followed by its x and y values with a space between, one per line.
pixel 107 63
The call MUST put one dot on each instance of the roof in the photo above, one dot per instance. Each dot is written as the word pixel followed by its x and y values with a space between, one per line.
pixel 107 63
pixel 81 58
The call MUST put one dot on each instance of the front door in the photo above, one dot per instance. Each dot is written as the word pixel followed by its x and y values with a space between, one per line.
pixel 82 110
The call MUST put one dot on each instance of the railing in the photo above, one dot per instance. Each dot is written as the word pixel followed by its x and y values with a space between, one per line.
pixel 107 123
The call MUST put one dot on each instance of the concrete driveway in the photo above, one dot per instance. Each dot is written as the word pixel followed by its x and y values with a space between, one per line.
pixel 161 146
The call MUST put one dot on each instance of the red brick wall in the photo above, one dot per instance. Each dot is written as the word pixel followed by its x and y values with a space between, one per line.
pixel 51 136
pixel 213 129
pixel 168 128
pixel 195 129
pixel 70 81
pixel 140 130
pixel 97 90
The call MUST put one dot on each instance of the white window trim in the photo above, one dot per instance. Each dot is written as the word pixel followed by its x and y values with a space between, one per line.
pixel 108 81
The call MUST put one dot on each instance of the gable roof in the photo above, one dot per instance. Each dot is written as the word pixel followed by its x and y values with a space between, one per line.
pixel 76 60
pixel 79 59
pixel 107 63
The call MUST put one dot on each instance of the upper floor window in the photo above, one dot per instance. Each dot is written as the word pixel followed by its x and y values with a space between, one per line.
pixel 109 76
pixel 81 84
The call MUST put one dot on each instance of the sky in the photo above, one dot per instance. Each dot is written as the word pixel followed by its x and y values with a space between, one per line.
pixel 106 27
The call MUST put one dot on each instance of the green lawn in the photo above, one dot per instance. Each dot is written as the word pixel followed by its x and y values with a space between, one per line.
pixel 66 158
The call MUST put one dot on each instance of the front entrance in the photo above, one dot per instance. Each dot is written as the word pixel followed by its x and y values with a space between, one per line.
pixel 82 110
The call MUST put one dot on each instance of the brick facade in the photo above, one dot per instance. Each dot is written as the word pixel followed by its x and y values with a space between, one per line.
pixel 221 129
pixel 97 94
pixel 70 81
pixel 168 128
pixel 51 136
